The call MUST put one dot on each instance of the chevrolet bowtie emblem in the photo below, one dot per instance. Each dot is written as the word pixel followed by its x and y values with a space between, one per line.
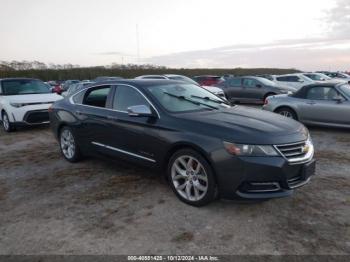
pixel 305 149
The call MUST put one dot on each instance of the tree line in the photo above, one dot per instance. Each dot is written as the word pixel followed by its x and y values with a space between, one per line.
pixel 46 72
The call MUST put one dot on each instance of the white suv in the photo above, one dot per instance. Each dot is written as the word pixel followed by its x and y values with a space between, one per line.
pixel 24 101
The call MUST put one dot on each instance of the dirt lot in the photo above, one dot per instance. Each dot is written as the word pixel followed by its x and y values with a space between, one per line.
pixel 49 206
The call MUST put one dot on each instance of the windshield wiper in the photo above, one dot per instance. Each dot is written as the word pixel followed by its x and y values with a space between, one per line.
pixel 190 100
pixel 210 99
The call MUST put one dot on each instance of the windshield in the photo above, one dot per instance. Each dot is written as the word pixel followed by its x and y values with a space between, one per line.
pixel 317 77
pixel 183 78
pixel 266 82
pixel 178 98
pixel 343 75
pixel 346 89
pixel 24 87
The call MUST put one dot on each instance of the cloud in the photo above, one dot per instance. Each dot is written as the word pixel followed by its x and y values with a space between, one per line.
pixel 339 20
pixel 331 52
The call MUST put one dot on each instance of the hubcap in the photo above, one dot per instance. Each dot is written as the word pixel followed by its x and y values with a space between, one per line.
pixel 67 144
pixel 189 178
pixel 286 114
pixel 5 122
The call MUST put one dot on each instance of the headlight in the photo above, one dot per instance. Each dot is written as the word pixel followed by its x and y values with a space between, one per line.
pixel 250 150
pixel 17 104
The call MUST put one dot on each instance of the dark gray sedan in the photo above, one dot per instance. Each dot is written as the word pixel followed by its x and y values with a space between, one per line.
pixel 251 89
pixel 326 104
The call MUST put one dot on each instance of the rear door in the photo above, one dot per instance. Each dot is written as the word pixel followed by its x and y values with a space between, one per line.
pixel 93 114
pixel 233 89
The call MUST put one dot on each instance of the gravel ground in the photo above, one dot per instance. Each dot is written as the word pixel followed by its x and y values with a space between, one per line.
pixel 49 206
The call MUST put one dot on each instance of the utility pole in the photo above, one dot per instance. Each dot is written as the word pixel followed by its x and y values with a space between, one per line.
pixel 137 44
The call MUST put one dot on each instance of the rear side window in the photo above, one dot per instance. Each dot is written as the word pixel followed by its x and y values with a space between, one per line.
pixel 282 78
pixel 235 82
pixel 97 96
pixel 126 96
pixel 288 78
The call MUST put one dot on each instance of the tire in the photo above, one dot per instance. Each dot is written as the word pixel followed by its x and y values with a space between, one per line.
pixel 191 178
pixel 68 145
pixel 287 112
pixel 6 124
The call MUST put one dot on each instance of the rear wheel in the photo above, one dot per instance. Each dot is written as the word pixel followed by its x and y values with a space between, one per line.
pixel 191 178
pixel 287 112
pixel 6 124
pixel 69 147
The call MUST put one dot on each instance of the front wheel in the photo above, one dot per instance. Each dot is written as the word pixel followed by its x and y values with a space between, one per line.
pixel 6 124
pixel 191 178
pixel 68 144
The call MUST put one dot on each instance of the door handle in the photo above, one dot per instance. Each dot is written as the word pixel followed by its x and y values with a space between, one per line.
pixel 112 117
pixel 78 112
pixel 311 103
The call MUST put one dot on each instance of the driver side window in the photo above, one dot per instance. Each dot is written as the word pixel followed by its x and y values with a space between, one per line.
pixel 126 96
pixel 323 93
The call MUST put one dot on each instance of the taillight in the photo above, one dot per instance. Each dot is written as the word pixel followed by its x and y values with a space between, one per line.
pixel 266 101
pixel 50 109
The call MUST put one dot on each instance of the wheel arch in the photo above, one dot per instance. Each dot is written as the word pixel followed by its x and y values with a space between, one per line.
pixel 185 145
pixel 269 93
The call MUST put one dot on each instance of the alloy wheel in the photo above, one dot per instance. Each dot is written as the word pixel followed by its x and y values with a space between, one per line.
pixel 67 144
pixel 286 114
pixel 189 178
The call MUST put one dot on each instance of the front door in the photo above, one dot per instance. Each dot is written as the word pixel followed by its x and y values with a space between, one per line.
pixel 133 137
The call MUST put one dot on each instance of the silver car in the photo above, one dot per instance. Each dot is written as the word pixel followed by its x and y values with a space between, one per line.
pixel 325 104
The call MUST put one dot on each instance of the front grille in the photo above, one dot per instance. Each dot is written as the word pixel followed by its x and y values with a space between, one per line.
pixel 296 152
pixel 37 117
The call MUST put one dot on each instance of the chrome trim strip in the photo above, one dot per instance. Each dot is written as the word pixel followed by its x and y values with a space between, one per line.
pixel 277 185
pixel 300 184
pixel 123 151
pixel 110 109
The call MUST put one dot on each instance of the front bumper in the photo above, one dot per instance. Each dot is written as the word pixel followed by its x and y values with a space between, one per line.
pixel 261 177
pixel 29 115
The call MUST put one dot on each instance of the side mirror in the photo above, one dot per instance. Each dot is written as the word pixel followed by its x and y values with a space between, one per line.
pixel 140 110
pixel 301 81
pixel 338 100
pixel 258 85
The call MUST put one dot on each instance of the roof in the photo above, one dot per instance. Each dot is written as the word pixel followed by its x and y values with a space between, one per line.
pixel 18 78
pixel 141 82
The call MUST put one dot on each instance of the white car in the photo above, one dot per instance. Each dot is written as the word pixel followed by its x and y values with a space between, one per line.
pixel 297 80
pixel 215 90
pixel 24 101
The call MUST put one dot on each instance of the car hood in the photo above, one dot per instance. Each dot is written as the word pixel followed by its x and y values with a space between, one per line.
pixel 251 126
pixel 286 88
pixel 33 98
pixel 213 89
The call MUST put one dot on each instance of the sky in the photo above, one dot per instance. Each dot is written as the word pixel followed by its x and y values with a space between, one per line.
pixel 308 35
